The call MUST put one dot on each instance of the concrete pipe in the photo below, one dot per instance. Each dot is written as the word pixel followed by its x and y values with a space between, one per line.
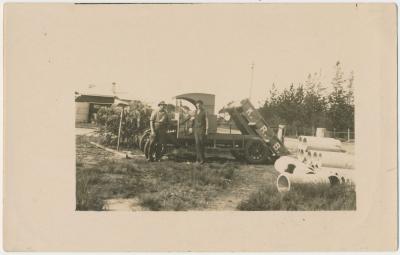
pixel 322 142
pixel 301 155
pixel 326 140
pixel 344 175
pixel 335 160
pixel 321 147
pixel 286 180
pixel 308 158
pixel 315 158
pixel 291 165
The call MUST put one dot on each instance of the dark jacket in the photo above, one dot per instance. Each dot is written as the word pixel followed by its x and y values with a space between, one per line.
pixel 200 120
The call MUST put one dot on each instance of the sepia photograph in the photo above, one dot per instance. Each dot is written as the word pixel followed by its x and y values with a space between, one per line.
pixel 228 125
pixel 200 127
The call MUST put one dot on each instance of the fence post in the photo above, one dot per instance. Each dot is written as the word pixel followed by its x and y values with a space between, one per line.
pixel 119 128
pixel 334 132
pixel 348 134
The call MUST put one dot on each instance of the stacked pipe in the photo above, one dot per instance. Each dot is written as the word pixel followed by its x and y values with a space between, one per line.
pixel 323 152
pixel 293 171
pixel 319 160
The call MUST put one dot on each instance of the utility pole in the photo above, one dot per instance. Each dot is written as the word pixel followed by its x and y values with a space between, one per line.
pixel 251 81
pixel 114 88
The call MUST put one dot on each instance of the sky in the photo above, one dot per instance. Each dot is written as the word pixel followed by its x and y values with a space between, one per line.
pixel 155 52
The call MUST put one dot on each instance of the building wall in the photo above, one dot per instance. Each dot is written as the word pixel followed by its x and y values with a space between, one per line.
pixel 81 111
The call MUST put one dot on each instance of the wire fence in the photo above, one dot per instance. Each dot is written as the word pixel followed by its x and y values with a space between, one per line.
pixel 346 135
pixel 343 135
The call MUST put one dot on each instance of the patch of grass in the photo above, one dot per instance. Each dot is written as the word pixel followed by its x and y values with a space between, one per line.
pixel 79 162
pixel 163 185
pixel 302 197
pixel 151 201
pixel 86 198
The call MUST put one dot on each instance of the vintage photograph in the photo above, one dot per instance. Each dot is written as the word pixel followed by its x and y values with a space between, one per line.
pixel 201 127
pixel 175 115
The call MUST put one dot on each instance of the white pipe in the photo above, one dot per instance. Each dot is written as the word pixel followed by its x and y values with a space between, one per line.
pixel 301 155
pixel 321 147
pixel 318 143
pixel 345 175
pixel 285 180
pixel 335 160
pixel 291 165
pixel 324 140
pixel 308 158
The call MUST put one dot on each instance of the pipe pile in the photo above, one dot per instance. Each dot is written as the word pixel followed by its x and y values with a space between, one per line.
pixel 293 171
pixel 319 160
pixel 323 152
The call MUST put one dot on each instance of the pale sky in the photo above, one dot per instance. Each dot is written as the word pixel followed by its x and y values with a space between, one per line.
pixel 156 52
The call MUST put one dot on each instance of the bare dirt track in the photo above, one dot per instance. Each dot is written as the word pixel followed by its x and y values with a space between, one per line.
pixel 250 179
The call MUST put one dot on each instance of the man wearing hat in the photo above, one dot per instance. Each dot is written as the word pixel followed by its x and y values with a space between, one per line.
pixel 200 130
pixel 159 121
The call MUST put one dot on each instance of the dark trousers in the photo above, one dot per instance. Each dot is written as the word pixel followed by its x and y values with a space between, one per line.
pixel 200 139
pixel 157 144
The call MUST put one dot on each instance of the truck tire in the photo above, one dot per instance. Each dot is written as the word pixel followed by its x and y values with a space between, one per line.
pixel 157 154
pixel 143 139
pixel 238 155
pixel 256 152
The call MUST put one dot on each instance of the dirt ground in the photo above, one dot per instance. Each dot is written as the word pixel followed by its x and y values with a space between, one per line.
pixel 248 178
pixel 252 178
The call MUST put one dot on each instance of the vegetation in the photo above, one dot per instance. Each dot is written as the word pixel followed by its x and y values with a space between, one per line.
pixel 163 185
pixel 135 119
pixel 172 185
pixel 302 197
pixel 311 104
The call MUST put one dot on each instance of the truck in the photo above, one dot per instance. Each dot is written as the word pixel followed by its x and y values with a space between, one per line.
pixel 255 142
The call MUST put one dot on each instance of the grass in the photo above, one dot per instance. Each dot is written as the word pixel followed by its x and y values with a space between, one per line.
pixel 302 197
pixel 163 185
pixel 177 186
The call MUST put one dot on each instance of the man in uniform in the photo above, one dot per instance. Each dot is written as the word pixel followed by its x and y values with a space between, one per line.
pixel 159 121
pixel 200 130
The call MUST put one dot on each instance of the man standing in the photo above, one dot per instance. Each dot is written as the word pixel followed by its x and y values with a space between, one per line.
pixel 200 129
pixel 159 121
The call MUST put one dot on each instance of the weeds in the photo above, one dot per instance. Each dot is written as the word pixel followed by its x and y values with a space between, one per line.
pixel 86 199
pixel 159 186
pixel 302 197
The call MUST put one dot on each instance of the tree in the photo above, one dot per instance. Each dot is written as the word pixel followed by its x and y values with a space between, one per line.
pixel 308 105
pixel 314 102
pixel 341 111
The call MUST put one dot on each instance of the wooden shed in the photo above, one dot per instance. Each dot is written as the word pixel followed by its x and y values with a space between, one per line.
pixel 87 105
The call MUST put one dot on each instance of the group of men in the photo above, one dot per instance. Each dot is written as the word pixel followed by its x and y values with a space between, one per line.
pixel 159 122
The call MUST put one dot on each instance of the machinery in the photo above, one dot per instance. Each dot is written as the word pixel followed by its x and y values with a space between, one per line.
pixel 256 142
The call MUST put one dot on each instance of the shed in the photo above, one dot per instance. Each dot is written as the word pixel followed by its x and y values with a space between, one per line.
pixel 87 105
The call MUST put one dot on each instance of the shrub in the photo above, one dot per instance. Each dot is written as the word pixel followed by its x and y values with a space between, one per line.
pixel 86 198
pixel 135 120
pixel 304 197
pixel 153 202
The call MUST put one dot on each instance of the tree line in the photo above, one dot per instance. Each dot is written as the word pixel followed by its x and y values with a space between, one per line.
pixel 312 104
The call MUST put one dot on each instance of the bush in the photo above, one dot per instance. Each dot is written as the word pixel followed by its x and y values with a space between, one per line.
pixel 135 120
pixel 153 202
pixel 302 197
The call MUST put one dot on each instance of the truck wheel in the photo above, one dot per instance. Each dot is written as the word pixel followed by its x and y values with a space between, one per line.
pixel 146 149
pixel 156 154
pixel 143 139
pixel 256 152
pixel 238 155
